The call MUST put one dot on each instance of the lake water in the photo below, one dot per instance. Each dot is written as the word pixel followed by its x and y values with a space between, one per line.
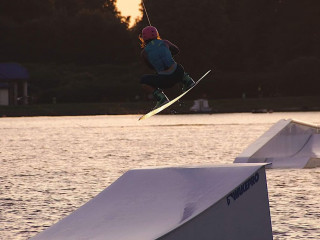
pixel 50 166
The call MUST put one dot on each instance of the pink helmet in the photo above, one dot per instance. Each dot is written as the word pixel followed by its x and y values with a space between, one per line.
pixel 149 33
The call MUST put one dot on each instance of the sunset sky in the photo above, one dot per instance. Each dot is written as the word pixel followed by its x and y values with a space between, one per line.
pixel 129 8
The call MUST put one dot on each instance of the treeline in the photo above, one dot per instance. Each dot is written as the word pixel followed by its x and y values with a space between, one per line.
pixel 64 31
pixel 256 47
pixel 271 45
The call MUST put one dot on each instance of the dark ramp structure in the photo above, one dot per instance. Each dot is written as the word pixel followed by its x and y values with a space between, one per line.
pixel 228 202
pixel 287 144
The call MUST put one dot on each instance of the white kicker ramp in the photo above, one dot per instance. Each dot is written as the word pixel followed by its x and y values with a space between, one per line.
pixel 228 202
pixel 287 144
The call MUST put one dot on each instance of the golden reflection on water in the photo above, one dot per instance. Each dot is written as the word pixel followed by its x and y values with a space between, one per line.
pixel 50 166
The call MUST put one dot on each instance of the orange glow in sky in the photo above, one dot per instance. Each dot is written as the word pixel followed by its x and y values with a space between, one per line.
pixel 129 8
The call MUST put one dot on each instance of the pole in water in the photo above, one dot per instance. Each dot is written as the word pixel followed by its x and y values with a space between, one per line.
pixel 145 10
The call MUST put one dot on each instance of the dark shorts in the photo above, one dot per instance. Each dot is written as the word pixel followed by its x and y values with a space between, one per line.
pixel 163 81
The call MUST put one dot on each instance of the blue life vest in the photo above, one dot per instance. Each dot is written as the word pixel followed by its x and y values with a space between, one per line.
pixel 159 55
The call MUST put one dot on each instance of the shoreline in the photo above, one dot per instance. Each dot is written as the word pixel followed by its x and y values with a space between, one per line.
pixel 253 105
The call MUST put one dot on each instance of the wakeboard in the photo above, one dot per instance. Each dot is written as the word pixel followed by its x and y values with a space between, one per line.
pixel 161 108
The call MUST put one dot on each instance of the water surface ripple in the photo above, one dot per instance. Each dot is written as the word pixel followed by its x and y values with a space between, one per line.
pixel 50 166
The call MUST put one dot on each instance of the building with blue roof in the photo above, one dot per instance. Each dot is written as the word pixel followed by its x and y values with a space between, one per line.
pixel 13 84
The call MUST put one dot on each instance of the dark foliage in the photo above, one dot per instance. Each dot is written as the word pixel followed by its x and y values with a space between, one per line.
pixel 273 45
pixel 84 32
pixel 251 43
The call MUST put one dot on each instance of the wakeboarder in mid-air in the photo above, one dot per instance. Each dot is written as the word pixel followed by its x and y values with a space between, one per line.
pixel 158 55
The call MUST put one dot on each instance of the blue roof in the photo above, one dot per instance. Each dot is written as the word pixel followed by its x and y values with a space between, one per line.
pixel 9 71
pixel 4 85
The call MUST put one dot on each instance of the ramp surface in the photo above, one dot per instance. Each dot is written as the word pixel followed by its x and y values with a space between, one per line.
pixel 287 144
pixel 153 203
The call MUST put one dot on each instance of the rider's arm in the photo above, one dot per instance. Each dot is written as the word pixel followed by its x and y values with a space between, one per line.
pixel 173 48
